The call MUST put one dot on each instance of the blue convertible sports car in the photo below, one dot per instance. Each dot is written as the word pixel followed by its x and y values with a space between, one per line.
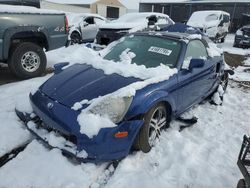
pixel 140 118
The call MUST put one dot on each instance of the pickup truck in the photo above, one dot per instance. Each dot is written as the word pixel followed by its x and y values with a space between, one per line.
pixel 26 33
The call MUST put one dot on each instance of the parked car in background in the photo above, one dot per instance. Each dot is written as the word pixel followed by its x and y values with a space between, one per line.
pixel 215 24
pixel 134 108
pixel 33 3
pixel 25 33
pixel 130 22
pixel 242 37
pixel 84 27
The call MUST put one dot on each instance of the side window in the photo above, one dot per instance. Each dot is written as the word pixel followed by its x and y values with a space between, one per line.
pixel 226 18
pixel 195 50
pixel 89 20
pixel 162 21
pixel 99 21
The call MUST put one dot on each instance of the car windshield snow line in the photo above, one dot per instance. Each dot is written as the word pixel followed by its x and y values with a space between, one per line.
pixel 150 51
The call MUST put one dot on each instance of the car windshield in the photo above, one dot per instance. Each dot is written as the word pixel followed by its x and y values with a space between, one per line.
pixel 212 17
pixel 150 51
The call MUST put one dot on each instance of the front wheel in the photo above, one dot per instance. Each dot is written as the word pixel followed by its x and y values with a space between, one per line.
pixel 27 60
pixel 75 38
pixel 156 119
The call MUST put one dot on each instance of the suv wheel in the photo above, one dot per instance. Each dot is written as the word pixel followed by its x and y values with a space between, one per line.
pixel 75 38
pixel 27 60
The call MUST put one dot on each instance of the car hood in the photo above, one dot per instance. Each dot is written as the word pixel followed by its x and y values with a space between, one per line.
pixel 80 81
pixel 122 25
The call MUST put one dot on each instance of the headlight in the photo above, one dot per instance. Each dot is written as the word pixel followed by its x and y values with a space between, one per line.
pixel 114 108
pixel 239 32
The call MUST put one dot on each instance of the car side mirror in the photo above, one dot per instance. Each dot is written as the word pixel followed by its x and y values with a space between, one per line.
pixel 196 63
pixel 59 67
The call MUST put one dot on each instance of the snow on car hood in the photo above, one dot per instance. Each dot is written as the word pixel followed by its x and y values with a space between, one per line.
pixel 82 81
pixel 123 25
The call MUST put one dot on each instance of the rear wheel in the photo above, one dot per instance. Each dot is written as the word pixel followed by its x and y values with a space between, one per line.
pixel 156 119
pixel 27 60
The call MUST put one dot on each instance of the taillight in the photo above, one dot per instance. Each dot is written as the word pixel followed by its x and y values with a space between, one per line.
pixel 66 24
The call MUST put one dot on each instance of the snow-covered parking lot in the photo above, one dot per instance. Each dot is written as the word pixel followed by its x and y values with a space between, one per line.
pixel 203 155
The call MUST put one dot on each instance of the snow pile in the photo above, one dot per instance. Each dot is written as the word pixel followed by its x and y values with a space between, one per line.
pixel 204 18
pixel 74 54
pixel 56 140
pixel 13 133
pixel 134 21
pixel 241 74
pixel 92 123
pixel 195 36
pixel 39 167
pixel 213 50
pixel 27 9
pixel 125 67
pixel 217 97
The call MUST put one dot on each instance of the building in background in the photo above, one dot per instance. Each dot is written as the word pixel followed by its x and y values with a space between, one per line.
pixel 105 8
pixel 181 10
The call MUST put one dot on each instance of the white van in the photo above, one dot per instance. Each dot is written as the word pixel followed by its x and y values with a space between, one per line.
pixel 213 23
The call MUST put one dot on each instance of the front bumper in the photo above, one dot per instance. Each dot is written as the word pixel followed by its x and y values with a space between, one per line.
pixel 62 121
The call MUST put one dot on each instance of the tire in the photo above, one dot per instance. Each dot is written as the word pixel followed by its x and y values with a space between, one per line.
pixel 75 38
pixel 222 40
pixel 27 60
pixel 147 135
pixel 241 184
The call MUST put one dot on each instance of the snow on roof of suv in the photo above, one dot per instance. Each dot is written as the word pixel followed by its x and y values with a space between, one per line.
pixel 199 18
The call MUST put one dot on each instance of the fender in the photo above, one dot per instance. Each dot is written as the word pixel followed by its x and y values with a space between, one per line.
pixel 152 99
pixel 8 34
pixel 75 29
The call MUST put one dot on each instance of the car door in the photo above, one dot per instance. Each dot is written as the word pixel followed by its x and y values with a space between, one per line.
pixel 195 84
pixel 88 28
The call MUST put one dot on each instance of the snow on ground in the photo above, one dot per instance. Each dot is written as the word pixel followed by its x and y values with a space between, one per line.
pixel 227 46
pixel 190 158
pixel 204 155
pixel 12 132
pixel 38 167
